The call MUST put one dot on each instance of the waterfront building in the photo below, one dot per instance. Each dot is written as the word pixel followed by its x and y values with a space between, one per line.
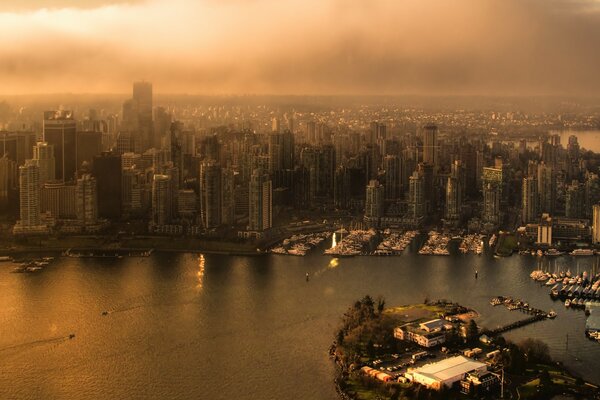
pixel 416 197
pixel 133 191
pixel 444 373
pixel 187 205
pixel 30 221
pixel 108 172
pixel 87 201
pixel 60 131
pixel 544 230
pixel 374 202
pixel 491 203
pixel 425 334
pixel 59 200
pixel 260 206
pixel 596 224
pixel 161 200
pixel 453 199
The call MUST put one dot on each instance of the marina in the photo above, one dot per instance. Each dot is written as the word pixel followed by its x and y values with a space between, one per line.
pixel 299 245
pixel 472 243
pixel 394 243
pixel 437 244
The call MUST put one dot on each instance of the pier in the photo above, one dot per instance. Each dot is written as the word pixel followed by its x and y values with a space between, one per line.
pixel 515 325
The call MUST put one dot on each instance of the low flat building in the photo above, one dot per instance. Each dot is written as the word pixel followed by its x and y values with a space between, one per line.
pixel 444 373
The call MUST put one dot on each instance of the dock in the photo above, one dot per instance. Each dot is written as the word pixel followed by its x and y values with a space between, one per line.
pixel 515 325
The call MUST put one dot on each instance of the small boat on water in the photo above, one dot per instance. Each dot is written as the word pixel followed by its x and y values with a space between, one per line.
pixel 582 252
pixel 5 259
pixel 552 314
pixel 567 303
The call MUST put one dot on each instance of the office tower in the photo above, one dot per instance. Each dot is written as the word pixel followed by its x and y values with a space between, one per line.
pixel 142 96
pixel 210 194
pixel 288 148
pixel 311 132
pixel 320 163
pixel 108 173
pixel 491 203
pixel 60 131
pixel 87 205
pixel 429 186
pixel 176 142
pixel 393 177
pixel 8 181
pixel 59 199
pixel 546 179
pixel 416 196
pixel 529 200
pixel 187 204
pixel 89 145
pixel 17 146
pixel 132 191
pixel 30 221
pixel 378 131
pixel 596 224
pixel 374 209
pixel 260 206
pixel 575 201
pixel 275 146
pixel 341 193
pixel 227 196
pixel 161 200
pixel 43 155
pixel 430 145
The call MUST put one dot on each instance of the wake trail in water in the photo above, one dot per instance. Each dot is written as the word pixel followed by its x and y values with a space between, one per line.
pixel 26 345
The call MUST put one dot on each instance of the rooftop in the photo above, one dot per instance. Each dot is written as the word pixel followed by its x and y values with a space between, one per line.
pixel 449 368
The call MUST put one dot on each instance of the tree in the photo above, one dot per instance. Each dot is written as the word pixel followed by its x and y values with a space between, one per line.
pixel 535 350
pixel 380 304
pixel 472 330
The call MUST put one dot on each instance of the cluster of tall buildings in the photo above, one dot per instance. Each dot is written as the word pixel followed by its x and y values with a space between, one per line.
pixel 148 165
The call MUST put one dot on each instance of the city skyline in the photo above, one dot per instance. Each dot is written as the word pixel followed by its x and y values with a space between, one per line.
pixel 431 47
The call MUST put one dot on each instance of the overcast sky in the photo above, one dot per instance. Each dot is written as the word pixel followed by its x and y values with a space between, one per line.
pixel 489 47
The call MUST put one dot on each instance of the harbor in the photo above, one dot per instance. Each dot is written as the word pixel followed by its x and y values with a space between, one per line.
pixel 300 244
pixel 437 244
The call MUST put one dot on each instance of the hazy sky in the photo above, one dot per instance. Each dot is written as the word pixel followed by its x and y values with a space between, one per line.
pixel 495 47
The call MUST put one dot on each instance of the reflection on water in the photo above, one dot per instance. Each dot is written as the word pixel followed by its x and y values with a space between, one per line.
pixel 219 327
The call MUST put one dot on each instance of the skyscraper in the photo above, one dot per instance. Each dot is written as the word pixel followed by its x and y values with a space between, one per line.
pixel 108 173
pixel 575 200
pixel 60 131
pixel 210 194
pixel 374 202
pixel 416 195
pixel 260 202
pixel 529 200
pixel 161 200
pixel 596 224
pixel 430 145
pixel 29 183
pixel 453 199
pixel 43 155
pixel 393 176
pixel 86 198
pixel 491 203
pixel 546 179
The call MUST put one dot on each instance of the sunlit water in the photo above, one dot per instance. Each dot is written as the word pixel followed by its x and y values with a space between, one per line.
pixel 217 327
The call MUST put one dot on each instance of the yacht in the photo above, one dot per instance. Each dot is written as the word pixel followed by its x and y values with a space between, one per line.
pixel 582 252
pixel 567 303
pixel 552 314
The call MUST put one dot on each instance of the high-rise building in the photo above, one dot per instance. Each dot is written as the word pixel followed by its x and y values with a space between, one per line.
pixel 177 148
pixel 596 224
pixel 546 188
pixel 142 97
pixel 416 195
pixel 89 145
pixel 108 173
pixel 453 199
pixel 59 199
pixel 393 177
pixel 260 206
pixel 491 203
pixel 575 201
pixel 30 221
pixel 374 202
pixel 60 131
pixel 8 182
pixel 210 194
pixel 133 191
pixel 161 200
pixel 227 196
pixel 430 145
pixel 529 200
pixel 87 205
pixel 43 155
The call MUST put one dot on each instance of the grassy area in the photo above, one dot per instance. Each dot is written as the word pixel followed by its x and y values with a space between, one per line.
pixel 414 312
pixel 506 244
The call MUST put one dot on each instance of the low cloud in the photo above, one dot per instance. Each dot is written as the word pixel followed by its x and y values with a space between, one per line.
pixel 492 47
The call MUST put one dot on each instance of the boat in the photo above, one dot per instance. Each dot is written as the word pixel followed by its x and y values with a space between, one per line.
pixel 582 252
pixel 5 259
pixel 72 336
pixel 553 253
pixel 552 314
pixel 567 303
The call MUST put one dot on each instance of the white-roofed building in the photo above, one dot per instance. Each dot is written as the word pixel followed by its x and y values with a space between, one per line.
pixel 445 372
